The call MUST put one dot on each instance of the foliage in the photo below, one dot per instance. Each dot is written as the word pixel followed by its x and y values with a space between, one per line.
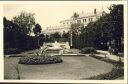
pixel 55 37
pixel 88 50
pixel 41 39
pixel 75 15
pixel 76 28
pixel 40 60
pixel 12 51
pixel 106 31
pixel 25 21
pixel 14 38
pixel 65 37
pixel 37 29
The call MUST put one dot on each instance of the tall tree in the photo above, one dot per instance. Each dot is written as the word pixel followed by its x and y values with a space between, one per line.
pixel 76 28
pixel 75 15
pixel 107 29
pixel 25 21
pixel 37 30
pixel 55 37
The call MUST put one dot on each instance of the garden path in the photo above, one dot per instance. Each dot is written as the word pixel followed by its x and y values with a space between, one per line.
pixel 113 57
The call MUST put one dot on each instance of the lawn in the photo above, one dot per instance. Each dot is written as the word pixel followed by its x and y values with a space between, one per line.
pixel 72 68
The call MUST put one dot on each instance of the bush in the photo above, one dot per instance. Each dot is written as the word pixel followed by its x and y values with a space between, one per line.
pixel 88 50
pixel 40 60
pixel 12 51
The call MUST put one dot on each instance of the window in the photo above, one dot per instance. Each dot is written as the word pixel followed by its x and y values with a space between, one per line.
pixel 91 19
pixel 84 20
pixel 88 19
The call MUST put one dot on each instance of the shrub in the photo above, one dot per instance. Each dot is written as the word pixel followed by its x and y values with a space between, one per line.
pixel 40 60
pixel 88 50
pixel 12 51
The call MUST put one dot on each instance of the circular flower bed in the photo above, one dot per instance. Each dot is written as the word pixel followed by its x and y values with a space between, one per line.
pixel 40 60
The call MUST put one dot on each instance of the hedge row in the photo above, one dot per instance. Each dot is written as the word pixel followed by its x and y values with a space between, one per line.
pixel 88 50
pixel 12 51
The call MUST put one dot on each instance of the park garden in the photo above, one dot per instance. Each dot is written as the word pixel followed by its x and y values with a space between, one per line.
pixel 90 55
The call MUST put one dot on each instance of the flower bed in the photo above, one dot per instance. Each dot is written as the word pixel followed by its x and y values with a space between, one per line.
pixel 40 60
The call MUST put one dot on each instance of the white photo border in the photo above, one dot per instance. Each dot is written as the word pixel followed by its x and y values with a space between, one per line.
pixel 63 81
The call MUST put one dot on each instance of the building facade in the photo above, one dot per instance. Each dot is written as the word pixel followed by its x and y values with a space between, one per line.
pixel 83 18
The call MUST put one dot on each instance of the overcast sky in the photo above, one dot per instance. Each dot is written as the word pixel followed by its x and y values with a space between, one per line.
pixel 47 14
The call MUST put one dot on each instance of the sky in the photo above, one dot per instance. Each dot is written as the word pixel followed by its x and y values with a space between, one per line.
pixel 50 14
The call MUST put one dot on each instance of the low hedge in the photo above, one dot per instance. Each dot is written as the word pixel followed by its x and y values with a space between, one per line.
pixel 40 60
pixel 12 51
pixel 88 50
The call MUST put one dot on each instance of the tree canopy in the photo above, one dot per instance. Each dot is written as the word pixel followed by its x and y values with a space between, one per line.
pixel 37 29
pixel 108 29
pixel 25 21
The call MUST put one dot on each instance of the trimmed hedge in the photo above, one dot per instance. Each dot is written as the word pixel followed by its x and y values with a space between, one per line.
pixel 40 60
pixel 12 51
pixel 88 50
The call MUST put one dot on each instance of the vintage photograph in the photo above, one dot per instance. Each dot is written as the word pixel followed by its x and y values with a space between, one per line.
pixel 63 41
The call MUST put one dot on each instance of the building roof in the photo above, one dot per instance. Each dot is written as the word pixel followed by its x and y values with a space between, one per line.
pixel 83 15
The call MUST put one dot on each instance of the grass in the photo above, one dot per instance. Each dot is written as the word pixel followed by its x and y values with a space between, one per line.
pixel 116 72
pixel 73 68
pixel 10 68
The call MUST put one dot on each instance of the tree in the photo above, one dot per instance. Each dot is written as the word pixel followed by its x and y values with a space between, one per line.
pixel 25 21
pixel 37 31
pixel 76 28
pixel 107 29
pixel 116 13
pixel 55 37
pixel 8 33
pixel 15 37
pixel 42 39
pixel 65 35
pixel 75 32
pixel 75 15
pixel 11 34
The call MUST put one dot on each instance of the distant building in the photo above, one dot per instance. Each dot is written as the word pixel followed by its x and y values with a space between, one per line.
pixel 53 29
pixel 83 18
